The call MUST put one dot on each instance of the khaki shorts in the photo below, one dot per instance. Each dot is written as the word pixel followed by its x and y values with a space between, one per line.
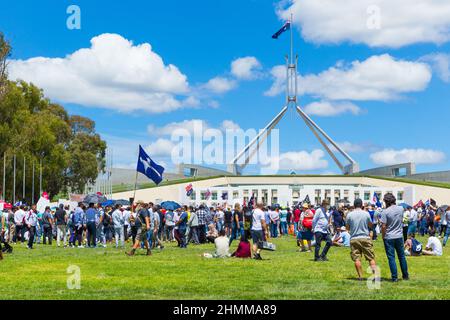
pixel 141 234
pixel 362 247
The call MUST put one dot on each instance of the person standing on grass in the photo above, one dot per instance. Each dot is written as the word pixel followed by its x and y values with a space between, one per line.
pixel 447 230
pixel 297 214
pixel 78 223
pixel 284 221
pixel 47 223
pixel 320 225
pixel 118 222
pixel 392 232
pixel 181 228
pixel 11 226
pixel 229 223
pixel 237 228
pixel 304 232
pixel 91 217
pixel 61 225
pixel 142 225
pixel 202 220
pixel 359 224
pixel 169 225
pixel 193 228
pixel 258 225
pixel 31 222
pixel 274 221
pixel 412 221
pixel 126 223
pixel 19 217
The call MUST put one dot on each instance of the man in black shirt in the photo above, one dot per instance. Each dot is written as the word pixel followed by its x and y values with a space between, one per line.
pixel 61 223
pixel 142 225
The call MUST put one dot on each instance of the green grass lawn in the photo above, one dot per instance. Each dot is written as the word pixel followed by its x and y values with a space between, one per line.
pixel 183 274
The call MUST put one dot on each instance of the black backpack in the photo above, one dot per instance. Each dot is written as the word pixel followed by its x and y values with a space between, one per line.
pixel 106 219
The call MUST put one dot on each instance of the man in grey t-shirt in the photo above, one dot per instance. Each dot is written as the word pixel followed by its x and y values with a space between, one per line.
pixel 359 223
pixel 392 231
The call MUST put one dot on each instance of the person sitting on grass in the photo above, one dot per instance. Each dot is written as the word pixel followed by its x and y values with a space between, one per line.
pixel 341 238
pixel 244 248
pixel 434 246
pixel 222 247
pixel 412 246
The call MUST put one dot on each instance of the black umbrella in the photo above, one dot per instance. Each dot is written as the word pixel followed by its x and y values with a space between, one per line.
pixel 123 202
pixel 94 198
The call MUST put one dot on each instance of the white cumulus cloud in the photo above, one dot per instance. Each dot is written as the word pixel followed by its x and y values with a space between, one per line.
pixel 302 160
pixel 331 108
pixel 376 23
pixel 192 126
pixel 161 148
pixel 220 85
pixel 440 62
pixel 245 68
pixel 379 78
pixel 113 73
pixel 419 156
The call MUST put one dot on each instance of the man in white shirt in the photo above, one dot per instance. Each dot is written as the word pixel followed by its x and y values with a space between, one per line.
pixel 258 225
pixel 274 221
pixel 126 225
pixel 19 217
pixel 412 221
pixel 434 246
pixel 31 220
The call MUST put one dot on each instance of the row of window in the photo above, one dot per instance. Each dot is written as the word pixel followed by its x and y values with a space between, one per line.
pixel 367 196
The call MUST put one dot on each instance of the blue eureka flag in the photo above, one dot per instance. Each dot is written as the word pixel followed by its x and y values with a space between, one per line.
pixel 148 167
pixel 376 200
pixel 283 29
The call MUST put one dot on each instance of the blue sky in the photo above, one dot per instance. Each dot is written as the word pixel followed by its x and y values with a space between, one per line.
pixel 390 106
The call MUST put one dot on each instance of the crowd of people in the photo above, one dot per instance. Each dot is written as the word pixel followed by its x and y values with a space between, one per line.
pixel 148 226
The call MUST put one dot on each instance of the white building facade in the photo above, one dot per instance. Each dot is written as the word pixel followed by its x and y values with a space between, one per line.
pixel 287 195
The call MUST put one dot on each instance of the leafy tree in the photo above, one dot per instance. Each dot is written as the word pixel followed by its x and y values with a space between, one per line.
pixel 33 127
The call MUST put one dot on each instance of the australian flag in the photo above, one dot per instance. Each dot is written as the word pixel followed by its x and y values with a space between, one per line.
pixel 149 168
pixel 283 29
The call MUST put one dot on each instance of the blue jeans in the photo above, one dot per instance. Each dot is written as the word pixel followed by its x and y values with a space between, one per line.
pixel 392 246
pixel 284 229
pixel 274 230
pixel 412 227
pixel 447 233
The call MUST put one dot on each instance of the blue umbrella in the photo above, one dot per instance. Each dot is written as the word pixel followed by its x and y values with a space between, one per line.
pixel 404 205
pixel 170 205
pixel 109 203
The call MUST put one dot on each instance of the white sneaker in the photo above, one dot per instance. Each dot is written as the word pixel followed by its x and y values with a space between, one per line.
pixel 80 246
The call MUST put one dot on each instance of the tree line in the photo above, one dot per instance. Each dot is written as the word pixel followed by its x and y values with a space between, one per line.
pixel 40 131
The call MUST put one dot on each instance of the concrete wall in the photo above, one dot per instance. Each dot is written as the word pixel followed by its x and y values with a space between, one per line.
pixel 389 171
pixel 439 176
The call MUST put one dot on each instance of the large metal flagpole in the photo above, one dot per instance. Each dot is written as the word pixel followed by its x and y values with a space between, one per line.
pixel 291 100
